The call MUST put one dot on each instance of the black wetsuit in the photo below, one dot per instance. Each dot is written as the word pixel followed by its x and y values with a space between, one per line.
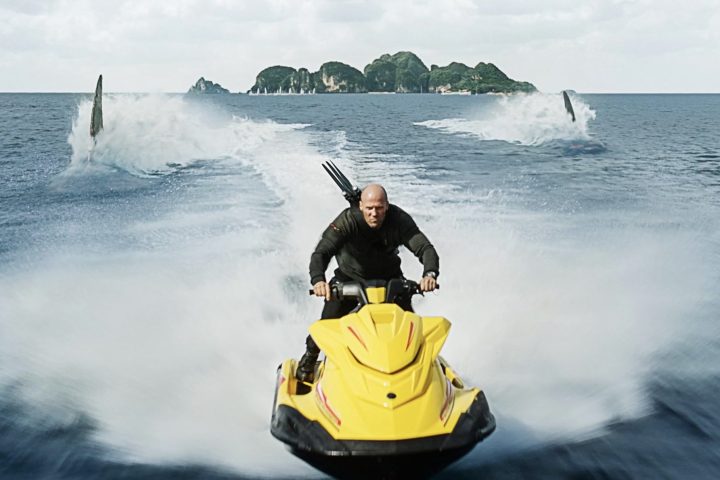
pixel 365 253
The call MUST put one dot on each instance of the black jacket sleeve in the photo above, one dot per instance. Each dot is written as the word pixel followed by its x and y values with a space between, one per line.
pixel 419 244
pixel 332 239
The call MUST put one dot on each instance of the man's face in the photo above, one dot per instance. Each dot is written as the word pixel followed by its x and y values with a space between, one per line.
pixel 374 210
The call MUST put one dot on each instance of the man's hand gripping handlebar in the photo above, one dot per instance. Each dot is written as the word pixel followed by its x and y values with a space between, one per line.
pixel 322 289
pixel 338 290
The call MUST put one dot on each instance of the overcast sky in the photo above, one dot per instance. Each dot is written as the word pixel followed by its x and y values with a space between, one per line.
pixel 153 46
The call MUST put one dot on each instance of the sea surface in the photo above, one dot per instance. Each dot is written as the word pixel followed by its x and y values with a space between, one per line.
pixel 151 283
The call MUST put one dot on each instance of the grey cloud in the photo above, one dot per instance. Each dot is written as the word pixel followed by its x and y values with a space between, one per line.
pixel 29 7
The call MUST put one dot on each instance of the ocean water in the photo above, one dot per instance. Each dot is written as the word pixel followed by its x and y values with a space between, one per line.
pixel 150 284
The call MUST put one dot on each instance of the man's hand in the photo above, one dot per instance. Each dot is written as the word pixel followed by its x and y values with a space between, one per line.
pixel 428 284
pixel 322 289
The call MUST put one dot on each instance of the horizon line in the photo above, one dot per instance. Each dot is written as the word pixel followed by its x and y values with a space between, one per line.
pixel 341 94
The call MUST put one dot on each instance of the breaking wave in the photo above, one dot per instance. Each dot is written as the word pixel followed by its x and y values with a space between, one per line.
pixel 522 119
pixel 159 134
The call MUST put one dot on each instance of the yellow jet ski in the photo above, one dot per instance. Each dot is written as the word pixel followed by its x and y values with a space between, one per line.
pixel 384 403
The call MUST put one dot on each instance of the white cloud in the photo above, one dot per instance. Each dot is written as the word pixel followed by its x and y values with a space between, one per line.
pixel 594 45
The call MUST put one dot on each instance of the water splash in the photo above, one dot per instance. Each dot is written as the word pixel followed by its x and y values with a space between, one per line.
pixel 170 345
pixel 159 134
pixel 172 349
pixel 522 119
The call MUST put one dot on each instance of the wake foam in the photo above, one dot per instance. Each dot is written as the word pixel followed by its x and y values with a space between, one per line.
pixel 159 134
pixel 560 332
pixel 522 119
pixel 172 351
pixel 560 319
pixel 171 346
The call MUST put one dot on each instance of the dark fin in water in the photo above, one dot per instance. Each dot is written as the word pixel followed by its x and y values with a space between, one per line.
pixel 96 119
pixel 350 192
pixel 568 105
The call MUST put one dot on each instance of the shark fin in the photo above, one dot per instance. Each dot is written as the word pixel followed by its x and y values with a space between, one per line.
pixel 568 105
pixel 96 118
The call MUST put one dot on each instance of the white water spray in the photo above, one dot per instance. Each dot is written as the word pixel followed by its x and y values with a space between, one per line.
pixel 171 347
pixel 523 119
pixel 172 350
pixel 158 134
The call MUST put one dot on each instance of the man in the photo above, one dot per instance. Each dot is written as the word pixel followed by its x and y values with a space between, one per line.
pixel 365 241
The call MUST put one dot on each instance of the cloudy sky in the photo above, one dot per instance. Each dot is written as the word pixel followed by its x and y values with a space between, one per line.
pixel 152 46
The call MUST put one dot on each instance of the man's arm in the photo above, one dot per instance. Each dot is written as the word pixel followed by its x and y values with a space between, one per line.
pixel 332 239
pixel 420 245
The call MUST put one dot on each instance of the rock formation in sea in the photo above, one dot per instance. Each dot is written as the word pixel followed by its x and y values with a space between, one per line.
pixel 483 78
pixel 206 86
pixel 402 72
pixel 332 77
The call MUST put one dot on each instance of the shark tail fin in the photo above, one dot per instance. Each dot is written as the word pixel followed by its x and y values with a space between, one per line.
pixel 96 118
pixel 568 105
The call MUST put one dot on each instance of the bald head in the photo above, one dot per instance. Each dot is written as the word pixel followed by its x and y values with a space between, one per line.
pixel 374 205
pixel 374 191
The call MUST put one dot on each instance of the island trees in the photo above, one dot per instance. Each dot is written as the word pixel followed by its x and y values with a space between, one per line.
pixel 402 72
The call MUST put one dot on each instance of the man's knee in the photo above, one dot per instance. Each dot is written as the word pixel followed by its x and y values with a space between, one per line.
pixel 311 346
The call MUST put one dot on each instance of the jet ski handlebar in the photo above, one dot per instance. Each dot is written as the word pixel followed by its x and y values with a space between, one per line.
pixel 397 287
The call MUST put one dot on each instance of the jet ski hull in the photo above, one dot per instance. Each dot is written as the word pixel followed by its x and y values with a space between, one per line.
pixel 383 403
pixel 407 458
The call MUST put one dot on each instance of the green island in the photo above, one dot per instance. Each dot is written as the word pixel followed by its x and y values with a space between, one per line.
pixel 402 72
pixel 206 86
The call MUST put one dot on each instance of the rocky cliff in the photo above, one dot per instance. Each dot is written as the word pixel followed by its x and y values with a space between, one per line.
pixel 332 77
pixel 336 77
pixel 402 72
pixel 206 86
pixel 483 78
